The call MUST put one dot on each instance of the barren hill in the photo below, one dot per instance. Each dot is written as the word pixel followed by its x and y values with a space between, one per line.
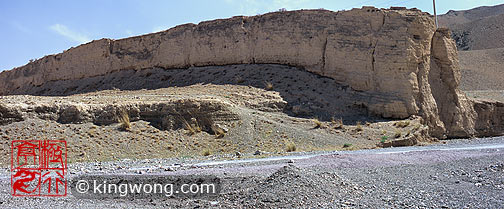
pixel 475 29
pixel 484 33
pixel 482 69
pixel 479 34
pixel 465 16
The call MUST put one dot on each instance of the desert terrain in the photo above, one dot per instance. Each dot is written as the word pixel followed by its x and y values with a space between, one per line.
pixel 478 33
pixel 318 116
pixel 297 113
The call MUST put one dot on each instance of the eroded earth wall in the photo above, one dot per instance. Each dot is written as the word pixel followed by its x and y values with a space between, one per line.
pixel 393 55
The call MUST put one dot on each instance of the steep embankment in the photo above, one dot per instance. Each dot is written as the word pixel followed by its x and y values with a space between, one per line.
pixel 392 57
pixel 229 121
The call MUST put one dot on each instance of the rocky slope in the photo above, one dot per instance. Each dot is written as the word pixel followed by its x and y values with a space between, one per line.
pixel 478 34
pixel 452 17
pixel 232 121
pixel 482 69
pixel 483 33
pixel 395 57
pixel 476 29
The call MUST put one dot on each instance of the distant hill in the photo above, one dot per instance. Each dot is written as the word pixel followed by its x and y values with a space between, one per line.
pixel 478 28
pixel 465 16
pixel 482 69
pixel 479 34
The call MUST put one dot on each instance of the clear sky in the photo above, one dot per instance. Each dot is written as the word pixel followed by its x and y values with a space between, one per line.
pixel 31 29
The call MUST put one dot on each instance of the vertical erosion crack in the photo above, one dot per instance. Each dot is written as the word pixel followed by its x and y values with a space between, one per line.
pixel 324 52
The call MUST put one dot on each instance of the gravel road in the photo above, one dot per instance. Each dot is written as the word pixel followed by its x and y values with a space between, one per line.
pixel 460 173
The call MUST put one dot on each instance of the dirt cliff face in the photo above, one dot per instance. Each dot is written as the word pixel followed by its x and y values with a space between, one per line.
pixel 454 109
pixel 394 57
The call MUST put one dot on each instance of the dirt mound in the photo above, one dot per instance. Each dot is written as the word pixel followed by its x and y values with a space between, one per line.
pixel 293 187
pixel 190 121
pixel 384 54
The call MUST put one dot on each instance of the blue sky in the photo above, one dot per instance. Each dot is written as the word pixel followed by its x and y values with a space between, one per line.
pixel 33 29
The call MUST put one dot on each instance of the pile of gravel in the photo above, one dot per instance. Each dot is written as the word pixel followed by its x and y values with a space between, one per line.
pixel 292 187
pixel 491 176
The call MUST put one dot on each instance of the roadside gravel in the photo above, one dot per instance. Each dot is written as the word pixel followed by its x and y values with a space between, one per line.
pixel 438 176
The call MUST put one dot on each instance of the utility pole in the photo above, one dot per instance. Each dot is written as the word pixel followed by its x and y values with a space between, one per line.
pixel 435 14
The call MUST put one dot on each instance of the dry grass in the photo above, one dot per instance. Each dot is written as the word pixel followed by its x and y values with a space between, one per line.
pixel 317 123
pixel 397 134
pixel 124 120
pixel 218 131
pixel 239 79
pixel 338 124
pixel 92 132
pixel 191 128
pixel 291 147
pixel 417 126
pixel 402 124
pixel 206 152
pixel 358 126
pixel 268 86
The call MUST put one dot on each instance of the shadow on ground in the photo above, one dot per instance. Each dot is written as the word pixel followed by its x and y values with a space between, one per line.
pixel 308 95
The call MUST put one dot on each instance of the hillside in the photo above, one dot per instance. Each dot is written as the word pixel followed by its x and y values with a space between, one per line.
pixel 452 17
pixel 475 29
pixel 482 69
pixel 197 120
pixel 479 35
pixel 486 33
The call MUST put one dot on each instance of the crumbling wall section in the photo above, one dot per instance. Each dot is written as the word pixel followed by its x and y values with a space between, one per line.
pixel 393 55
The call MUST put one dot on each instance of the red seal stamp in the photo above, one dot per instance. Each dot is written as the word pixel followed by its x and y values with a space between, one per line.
pixel 38 168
